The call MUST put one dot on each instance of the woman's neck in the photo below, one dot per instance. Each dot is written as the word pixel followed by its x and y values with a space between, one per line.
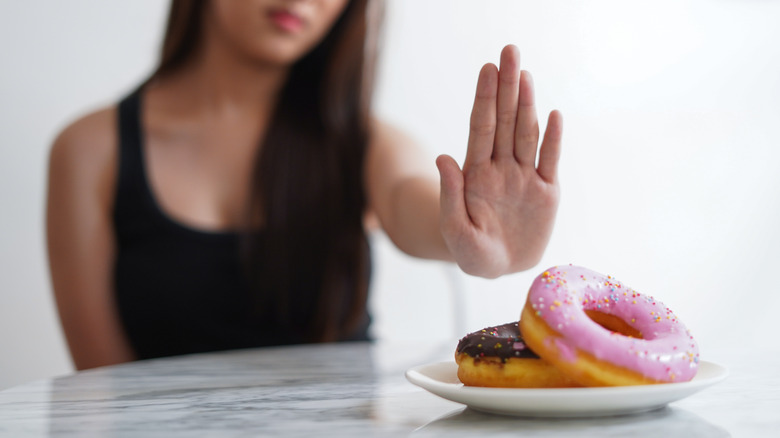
pixel 219 83
pixel 225 81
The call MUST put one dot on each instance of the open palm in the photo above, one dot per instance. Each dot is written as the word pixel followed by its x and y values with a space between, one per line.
pixel 497 213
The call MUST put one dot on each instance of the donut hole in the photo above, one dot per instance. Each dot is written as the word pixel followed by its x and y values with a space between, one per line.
pixel 613 324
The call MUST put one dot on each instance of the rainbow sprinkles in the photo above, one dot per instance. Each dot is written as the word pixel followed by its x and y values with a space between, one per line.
pixel 594 317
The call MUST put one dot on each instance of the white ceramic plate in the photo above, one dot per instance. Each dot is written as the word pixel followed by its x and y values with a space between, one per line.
pixel 441 379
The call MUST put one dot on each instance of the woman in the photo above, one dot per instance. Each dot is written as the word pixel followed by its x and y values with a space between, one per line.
pixel 224 203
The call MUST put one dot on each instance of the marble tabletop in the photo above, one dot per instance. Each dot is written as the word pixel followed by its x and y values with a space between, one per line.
pixel 344 390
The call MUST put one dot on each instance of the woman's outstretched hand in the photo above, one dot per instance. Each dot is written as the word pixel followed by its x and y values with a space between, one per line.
pixel 497 213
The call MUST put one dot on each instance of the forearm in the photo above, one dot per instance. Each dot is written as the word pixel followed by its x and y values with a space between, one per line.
pixel 413 222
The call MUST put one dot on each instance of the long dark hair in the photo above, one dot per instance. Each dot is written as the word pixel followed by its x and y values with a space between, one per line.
pixel 308 178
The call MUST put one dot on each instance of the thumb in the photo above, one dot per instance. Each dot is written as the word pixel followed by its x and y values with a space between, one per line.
pixel 453 202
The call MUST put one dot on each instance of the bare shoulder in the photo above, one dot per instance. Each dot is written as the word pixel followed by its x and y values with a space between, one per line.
pixel 393 148
pixel 384 134
pixel 88 144
pixel 84 153
pixel 88 138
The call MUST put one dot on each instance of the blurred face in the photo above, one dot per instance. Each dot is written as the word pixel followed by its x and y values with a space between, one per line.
pixel 274 31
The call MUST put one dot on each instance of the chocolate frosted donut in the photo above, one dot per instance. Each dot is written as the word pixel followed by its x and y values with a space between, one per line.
pixel 498 357
pixel 503 342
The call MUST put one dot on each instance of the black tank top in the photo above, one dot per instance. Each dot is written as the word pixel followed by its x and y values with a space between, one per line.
pixel 180 290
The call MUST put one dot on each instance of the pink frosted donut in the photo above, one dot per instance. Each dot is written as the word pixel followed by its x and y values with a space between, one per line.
pixel 600 332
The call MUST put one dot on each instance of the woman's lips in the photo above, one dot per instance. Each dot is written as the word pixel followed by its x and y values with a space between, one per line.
pixel 286 20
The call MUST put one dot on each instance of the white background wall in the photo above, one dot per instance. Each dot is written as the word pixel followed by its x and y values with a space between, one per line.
pixel 668 171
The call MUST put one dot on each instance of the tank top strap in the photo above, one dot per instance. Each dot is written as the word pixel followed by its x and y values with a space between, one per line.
pixel 134 208
pixel 131 172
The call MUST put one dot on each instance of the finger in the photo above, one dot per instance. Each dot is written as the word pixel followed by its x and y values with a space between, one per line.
pixel 483 117
pixel 453 201
pixel 550 151
pixel 527 129
pixel 506 107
